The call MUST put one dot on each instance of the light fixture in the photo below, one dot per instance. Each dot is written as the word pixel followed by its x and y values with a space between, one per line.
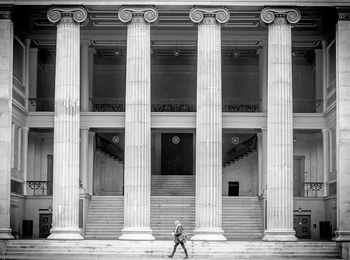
pixel 294 53
pixel 117 52
pixel 176 53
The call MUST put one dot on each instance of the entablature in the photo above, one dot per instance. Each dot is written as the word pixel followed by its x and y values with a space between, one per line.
pixel 184 120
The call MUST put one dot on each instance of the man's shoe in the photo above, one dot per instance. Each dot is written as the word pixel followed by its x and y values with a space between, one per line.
pixel 170 256
pixel 186 257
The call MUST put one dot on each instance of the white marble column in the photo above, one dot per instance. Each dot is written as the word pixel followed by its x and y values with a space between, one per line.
pixel 325 149
pixel 263 76
pixel 84 76
pixel 84 159
pixel 65 204
pixel 343 126
pixel 25 158
pixel 137 171
pixel 92 52
pixel 6 62
pixel 209 123
pixel 280 124
pixel 33 78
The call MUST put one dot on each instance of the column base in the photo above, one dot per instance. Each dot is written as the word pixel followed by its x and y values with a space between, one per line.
pixel 136 234
pixel 280 235
pixel 342 236
pixel 5 233
pixel 59 233
pixel 208 235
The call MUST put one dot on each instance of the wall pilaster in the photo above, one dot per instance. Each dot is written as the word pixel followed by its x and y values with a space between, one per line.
pixel 6 58
pixel 343 126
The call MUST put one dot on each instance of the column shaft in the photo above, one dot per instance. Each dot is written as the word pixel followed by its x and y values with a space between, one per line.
pixel 25 158
pixel 84 76
pixel 280 131
pixel 65 205
pixel 343 127
pixel 84 158
pixel 6 58
pixel 137 181
pixel 209 130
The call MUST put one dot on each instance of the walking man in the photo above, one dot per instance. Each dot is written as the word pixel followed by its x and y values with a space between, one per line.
pixel 179 238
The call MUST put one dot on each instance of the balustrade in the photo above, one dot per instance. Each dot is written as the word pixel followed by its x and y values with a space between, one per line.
pixel 39 188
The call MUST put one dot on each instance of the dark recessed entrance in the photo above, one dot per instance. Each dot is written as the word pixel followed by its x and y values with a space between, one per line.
pixel 177 154
pixel 233 188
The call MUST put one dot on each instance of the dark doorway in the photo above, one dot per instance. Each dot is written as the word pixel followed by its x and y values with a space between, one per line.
pixel 233 188
pixel 45 222
pixel 177 154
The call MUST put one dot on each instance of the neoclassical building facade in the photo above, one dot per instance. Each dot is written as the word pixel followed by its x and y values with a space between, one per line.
pixel 118 119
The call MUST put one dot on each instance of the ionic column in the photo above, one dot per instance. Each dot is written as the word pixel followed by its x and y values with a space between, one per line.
pixel 343 127
pixel 6 60
pixel 65 204
pixel 137 171
pixel 280 124
pixel 209 123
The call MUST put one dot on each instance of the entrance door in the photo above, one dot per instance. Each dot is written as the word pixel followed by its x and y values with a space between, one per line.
pixel 302 226
pixel 177 154
pixel 233 188
pixel 45 221
pixel 298 176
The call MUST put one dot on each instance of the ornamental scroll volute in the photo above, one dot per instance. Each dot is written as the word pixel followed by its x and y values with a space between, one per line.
pixel 149 14
pixel 290 15
pixel 78 14
pixel 221 14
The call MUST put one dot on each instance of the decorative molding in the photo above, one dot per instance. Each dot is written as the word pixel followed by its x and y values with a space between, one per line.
pixel 77 13
pixel 5 15
pixel 343 14
pixel 271 15
pixel 221 15
pixel 149 14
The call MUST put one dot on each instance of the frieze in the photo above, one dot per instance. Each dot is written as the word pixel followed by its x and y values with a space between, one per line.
pixel 280 15
pixel 221 15
pixel 127 13
pixel 77 14
pixel 343 14
pixel 5 15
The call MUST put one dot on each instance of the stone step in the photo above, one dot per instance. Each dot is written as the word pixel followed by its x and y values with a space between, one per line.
pixel 117 248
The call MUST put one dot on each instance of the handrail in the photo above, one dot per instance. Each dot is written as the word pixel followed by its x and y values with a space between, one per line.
pixel 43 187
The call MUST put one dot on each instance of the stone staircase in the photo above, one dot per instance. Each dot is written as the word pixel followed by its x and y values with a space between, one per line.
pixel 105 218
pixel 242 218
pixel 117 249
pixel 173 185
pixel 165 210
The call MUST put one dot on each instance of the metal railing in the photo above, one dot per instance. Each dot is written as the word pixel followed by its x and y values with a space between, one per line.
pixel 39 188
pixel 313 189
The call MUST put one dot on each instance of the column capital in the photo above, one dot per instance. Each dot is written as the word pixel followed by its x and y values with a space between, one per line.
pixel 148 13
pixel 343 14
pixel 221 14
pixel 272 15
pixel 77 14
